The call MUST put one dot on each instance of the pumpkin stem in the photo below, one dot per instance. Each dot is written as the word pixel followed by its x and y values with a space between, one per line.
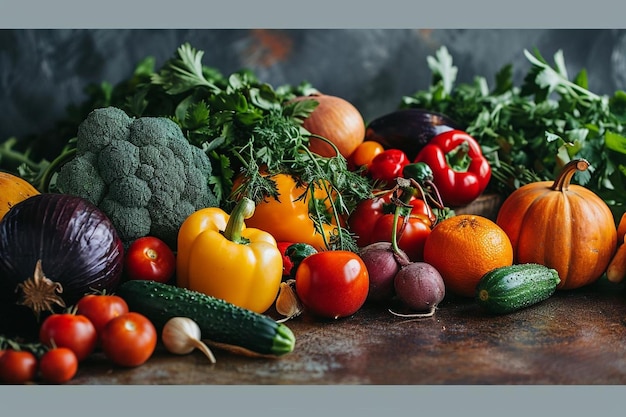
pixel 561 183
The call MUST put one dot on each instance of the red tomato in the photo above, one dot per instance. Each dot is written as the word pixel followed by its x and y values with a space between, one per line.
pixel 411 236
pixel 149 258
pixel 332 284
pixel 100 308
pixel 129 340
pixel 17 366
pixel 388 165
pixel 367 213
pixel 73 331
pixel 58 365
pixel 364 217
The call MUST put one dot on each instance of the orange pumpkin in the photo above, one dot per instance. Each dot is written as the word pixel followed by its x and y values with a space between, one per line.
pixel 13 189
pixel 561 225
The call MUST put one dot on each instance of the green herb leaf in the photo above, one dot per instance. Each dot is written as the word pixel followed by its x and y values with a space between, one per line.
pixel 183 73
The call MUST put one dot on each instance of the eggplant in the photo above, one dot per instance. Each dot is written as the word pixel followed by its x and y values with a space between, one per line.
pixel 408 129
pixel 63 238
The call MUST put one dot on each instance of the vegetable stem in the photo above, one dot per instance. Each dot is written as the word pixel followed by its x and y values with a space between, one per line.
pixel 327 191
pixel 562 182
pixel 243 210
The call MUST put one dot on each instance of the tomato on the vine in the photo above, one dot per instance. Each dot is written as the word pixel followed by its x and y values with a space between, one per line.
pixel 129 340
pixel 411 234
pixel 100 308
pixel 332 284
pixel 364 223
pixel 17 366
pixel 149 258
pixel 73 331
pixel 364 217
pixel 58 365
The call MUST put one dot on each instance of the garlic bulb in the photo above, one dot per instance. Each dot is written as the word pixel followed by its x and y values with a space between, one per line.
pixel 181 335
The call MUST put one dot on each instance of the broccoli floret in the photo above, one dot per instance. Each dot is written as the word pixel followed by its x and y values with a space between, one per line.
pixel 141 172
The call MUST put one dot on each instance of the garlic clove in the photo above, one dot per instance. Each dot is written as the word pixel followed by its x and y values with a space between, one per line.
pixel 287 302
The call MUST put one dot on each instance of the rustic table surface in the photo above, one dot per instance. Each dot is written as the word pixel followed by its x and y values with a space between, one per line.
pixel 575 337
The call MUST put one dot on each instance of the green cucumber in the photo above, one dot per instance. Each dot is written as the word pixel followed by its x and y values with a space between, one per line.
pixel 511 288
pixel 219 321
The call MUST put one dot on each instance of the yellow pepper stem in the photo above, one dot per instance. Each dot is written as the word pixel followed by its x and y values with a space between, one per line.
pixel 242 211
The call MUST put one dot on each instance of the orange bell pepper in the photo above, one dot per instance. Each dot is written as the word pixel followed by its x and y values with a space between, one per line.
pixel 221 257
pixel 289 218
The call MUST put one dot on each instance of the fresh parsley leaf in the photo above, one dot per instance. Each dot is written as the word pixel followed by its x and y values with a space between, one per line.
pixel 184 72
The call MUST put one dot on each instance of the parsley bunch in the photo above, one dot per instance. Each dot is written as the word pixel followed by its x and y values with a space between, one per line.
pixel 529 132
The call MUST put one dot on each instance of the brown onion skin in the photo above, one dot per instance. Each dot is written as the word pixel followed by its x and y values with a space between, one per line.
pixel 76 242
pixel 337 120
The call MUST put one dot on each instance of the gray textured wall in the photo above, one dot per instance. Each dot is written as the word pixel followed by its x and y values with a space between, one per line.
pixel 42 71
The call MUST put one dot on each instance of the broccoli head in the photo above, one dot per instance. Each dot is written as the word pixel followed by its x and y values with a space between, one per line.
pixel 141 172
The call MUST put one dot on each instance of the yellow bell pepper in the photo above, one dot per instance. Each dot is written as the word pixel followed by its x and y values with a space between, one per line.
pixel 288 219
pixel 221 257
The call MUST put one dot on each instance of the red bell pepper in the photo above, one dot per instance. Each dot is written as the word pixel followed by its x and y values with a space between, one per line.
pixel 388 165
pixel 460 170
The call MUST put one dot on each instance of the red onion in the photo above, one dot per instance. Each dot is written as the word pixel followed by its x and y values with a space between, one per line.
pixel 76 243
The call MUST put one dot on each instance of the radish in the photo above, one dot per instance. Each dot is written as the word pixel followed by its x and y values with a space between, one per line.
pixel 420 287
pixel 383 263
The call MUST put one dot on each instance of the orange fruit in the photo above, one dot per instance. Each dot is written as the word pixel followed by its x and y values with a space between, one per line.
pixel 465 247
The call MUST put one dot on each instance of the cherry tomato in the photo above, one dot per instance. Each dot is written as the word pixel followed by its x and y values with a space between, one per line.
pixel 58 365
pixel 17 366
pixel 332 284
pixel 388 165
pixel 411 235
pixel 129 340
pixel 73 331
pixel 364 154
pixel 149 258
pixel 100 308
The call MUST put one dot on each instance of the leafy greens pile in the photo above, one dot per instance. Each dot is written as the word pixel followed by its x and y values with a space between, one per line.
pixel 245 126
pixel 529 132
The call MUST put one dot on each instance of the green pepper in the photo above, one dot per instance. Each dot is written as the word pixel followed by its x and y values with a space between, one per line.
pixel 419 171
